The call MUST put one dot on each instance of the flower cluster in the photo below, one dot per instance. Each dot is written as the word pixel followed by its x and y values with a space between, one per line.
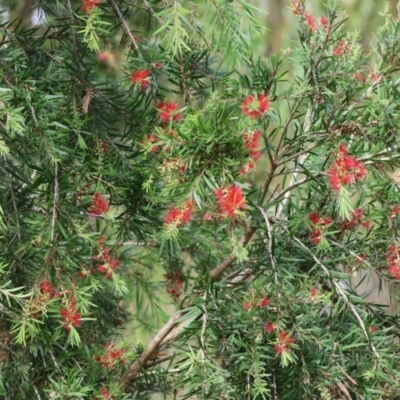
pixel 297 8
pixel 174 164
pixel 341 49
pixel 108 263
pixel 314 292
pixel 256 303
pixel 231 200
pixel 394 211
pixel 250 141
pixel 255 106
pixel 345 170
pixel 141 77
pixel 269 327
pixel 70 316
pixel 89 5
pixel 107 57
pixel 284 341
pixel 393 261
pixel 169 111
pixel 149 141
pixel 310 21
pixel 105 394
pixel 323 22
pixel 179 215
pixel 47 289
pixel 174 284
pixel 353 222
pixel 102 147
pixel 99 204
pixel 318 226
pixel 359 76
pixel 111 357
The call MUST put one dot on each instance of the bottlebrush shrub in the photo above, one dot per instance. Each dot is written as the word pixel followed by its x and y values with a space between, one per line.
pixel 250 201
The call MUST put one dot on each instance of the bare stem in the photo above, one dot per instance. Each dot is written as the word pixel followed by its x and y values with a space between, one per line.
pixel 126 27
pixel 341 292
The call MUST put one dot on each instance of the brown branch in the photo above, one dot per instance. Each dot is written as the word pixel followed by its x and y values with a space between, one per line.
pixel 136 367
pixel 126 27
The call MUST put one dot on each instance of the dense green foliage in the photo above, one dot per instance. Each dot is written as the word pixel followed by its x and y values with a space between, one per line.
pixel 148 157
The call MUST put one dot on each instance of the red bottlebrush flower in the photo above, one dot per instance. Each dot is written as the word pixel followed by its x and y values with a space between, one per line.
pixel 264 302
pixel 345 170
pixel 83 274
pixel 269 327
pixel 251 140
pixel 394 211
pixel 230 200
pixel 104 394
pixel 327 220
pixel 342 149
pixel 247 168
pixel 148 143
pixel 323 22
pixel 334 179
pixel 47 288
pixel 104 147
pixel 172 216
pixel 297 7
pixel 70 317
pixel 375 76
pixel 174 284
pixel 208 216
pixel 341 49
pixel 315 236
pixel 89 5
pixel 102 268
pixel 246 306
pixel 99 204
pixel 358 76
pixel 114 264
pixel 169 111
pixel 281 348
pixel 285 338
pixel 111 357
pixel 141 77
pixel 353 222
pixel 107 57
pixel 102 56
pixel 310 21
pixel 313 291
pixel 255 155
pixel 255 107
pixel 284 343
pixel 314 218
pixel 393 261
pixel 179 215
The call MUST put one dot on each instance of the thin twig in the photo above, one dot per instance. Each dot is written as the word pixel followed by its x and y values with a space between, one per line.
pixel 271 256
pixel 302 158
pixel 203 343
pixel 126 27
pixel 341 292
pixel 36 392
pixel 55 201
pixel 16 211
